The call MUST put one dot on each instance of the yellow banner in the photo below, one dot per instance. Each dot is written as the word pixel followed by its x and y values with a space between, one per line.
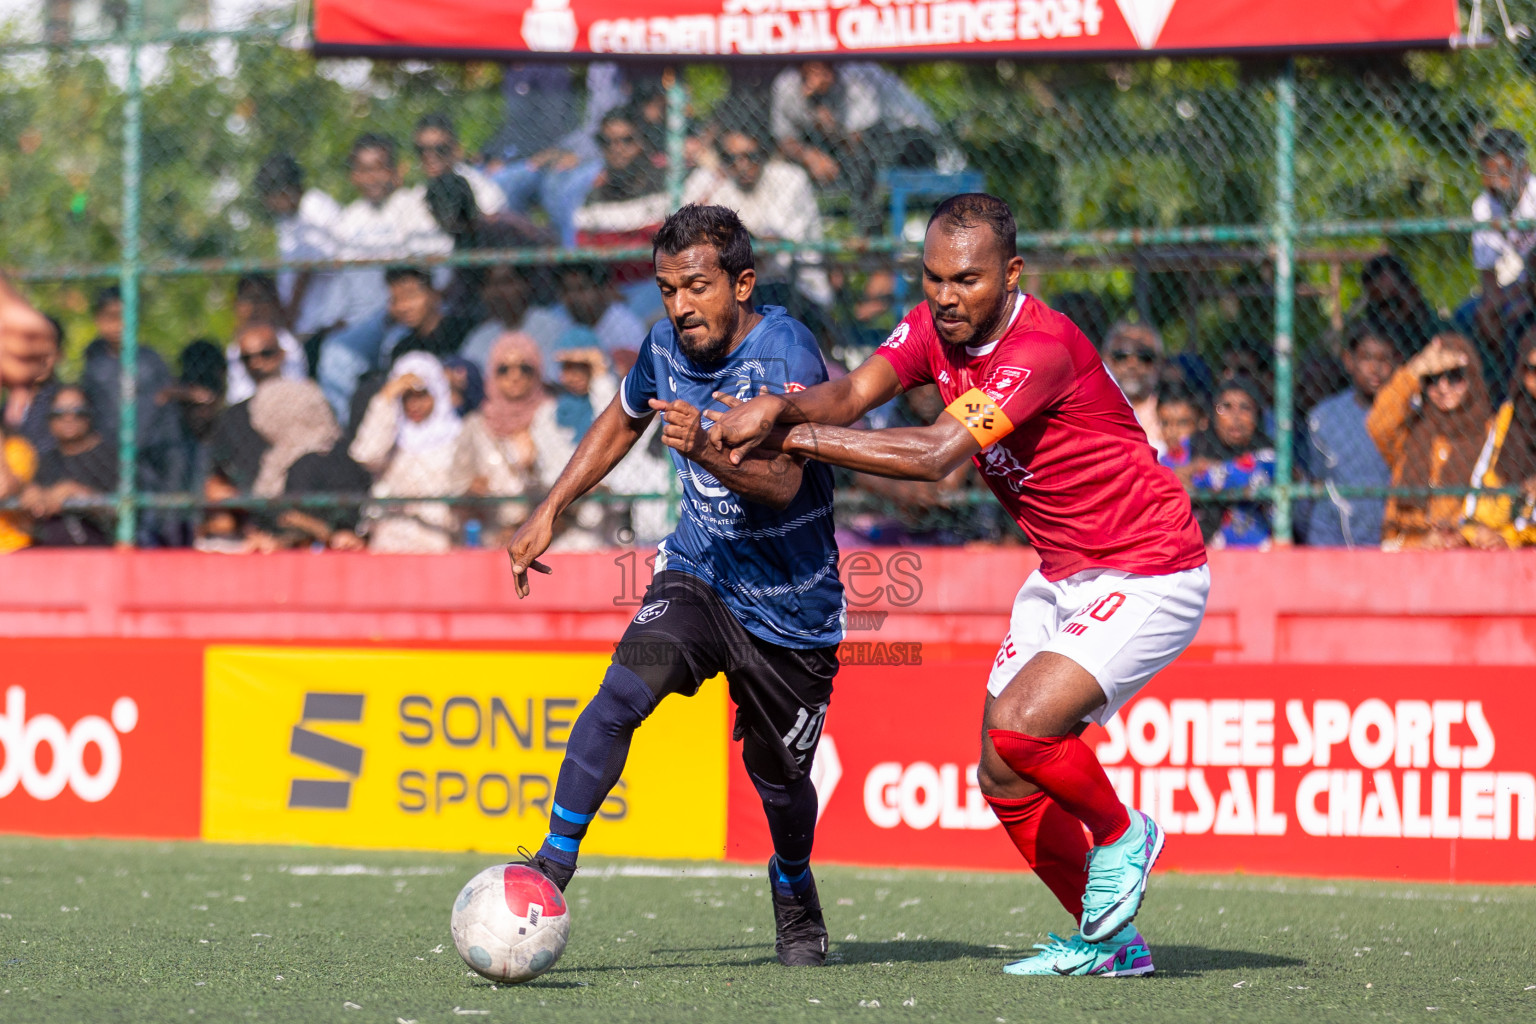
pixel 443 750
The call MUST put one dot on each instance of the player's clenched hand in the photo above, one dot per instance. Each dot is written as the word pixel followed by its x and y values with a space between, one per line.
pixel 527 544
pixel 681 426
pixel 745 425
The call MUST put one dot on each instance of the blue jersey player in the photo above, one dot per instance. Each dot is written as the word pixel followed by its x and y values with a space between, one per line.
pixel 747 585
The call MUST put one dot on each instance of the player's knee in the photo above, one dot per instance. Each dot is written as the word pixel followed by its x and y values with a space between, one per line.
pixel 624 699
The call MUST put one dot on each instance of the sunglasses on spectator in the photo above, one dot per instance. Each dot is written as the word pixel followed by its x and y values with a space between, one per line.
pixel 442 149
pixel 266 353
pixel 609 141
pixel 526 369
pixel 68 410
pixel 1146 355
pixel 1455 376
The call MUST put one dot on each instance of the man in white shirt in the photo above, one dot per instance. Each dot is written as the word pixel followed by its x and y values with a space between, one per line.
pixel 773 197
pixel 1509 192
pixel 843 123
pixel 305 223
pixel 387 223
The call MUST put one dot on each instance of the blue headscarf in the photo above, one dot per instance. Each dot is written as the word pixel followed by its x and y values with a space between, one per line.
pixel 474 383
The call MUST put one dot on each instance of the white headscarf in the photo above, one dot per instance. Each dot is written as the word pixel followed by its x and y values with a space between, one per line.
pixel 441 427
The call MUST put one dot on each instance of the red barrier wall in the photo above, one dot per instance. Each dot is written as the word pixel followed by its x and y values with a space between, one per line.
pixel 1457 802
pixel 1300 606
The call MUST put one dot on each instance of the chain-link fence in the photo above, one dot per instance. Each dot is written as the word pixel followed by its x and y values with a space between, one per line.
pixel 448 267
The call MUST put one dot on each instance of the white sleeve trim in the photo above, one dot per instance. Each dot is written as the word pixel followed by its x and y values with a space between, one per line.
pixel 624 401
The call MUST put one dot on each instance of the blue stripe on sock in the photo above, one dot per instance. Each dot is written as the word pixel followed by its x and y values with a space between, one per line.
pixel 563 843
pixel 573 817
pixel 795 879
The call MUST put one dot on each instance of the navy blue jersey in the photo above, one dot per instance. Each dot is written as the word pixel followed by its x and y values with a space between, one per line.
pixel 776 571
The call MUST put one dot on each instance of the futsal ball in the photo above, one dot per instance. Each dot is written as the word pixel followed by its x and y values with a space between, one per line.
pixel 510 923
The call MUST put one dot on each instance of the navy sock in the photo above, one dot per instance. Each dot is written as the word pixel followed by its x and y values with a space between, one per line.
pixel 594 759
pixel 791 812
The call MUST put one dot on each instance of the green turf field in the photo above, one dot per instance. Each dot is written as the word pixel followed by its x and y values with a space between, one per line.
pixel 108 931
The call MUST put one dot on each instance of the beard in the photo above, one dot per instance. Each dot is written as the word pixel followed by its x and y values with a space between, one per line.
pixel 710 350
pixel 983 328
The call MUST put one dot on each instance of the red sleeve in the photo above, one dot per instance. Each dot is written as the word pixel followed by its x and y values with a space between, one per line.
pixel 907 349
pixel 1031 374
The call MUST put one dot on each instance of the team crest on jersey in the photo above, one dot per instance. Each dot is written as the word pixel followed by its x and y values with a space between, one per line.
pixel 999 461
pixel 898 336
pixel 792 387
pixel 1003 382
pixel 651 612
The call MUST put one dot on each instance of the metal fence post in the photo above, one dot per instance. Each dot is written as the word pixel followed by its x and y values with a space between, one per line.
pixel 677 134
pixel 128 370
pixel 1285 294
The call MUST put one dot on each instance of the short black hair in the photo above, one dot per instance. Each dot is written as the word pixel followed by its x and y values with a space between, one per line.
pixel 715 226
pixel 439 120
pixel 1383 265
pixel 744 117
pixel 1179 393
pixel 372 140
pixel 973 209
pixel 277 174
pixel 628 113
pixel 105 297
pixel 1501 142
pixel 421 274
pixel 1357 332
pixel 262 287
pixel 593 273
pixel 58 330
pixel 202 363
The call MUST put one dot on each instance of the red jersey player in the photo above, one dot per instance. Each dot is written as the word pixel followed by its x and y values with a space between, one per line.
pixel 1122 582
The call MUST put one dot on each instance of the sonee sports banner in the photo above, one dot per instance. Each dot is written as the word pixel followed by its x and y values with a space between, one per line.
pixel 1402 772
pixel 873 28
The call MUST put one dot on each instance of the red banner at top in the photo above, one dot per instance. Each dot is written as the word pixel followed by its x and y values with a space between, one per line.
pixel 873 28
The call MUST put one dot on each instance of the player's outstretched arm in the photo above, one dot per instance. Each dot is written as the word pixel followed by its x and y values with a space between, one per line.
pixel 903 453
pixel 838 402
pixel 609 439
pixel 768 478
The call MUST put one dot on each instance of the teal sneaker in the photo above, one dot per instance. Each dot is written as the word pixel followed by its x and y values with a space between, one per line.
pixel 1117 878
pixel 1125 955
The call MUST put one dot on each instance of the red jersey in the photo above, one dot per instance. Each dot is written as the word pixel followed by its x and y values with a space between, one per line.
pixel 1075 470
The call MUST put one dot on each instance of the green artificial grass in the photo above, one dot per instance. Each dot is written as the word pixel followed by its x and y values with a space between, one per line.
pixel 119 931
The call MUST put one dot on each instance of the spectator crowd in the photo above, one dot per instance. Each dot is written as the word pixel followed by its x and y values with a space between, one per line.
pixel 405 408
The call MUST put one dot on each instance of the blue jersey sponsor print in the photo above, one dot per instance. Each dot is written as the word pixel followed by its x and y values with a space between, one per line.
pixel 776 571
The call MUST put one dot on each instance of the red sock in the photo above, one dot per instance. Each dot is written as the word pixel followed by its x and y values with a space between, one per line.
pixel 1067 771
pixel 1053 843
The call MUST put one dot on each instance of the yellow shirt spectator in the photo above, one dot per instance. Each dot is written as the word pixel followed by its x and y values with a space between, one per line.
pixel 20 465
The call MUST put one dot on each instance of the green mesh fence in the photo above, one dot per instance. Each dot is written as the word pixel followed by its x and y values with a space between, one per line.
pixel 1265 250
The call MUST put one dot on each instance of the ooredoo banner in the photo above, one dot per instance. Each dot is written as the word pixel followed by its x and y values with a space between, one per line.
pixel 873 28
pixel 101 738
pixel 444 750
pixel 1411 772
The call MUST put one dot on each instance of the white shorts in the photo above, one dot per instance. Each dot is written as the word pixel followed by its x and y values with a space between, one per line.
pixel 1121 627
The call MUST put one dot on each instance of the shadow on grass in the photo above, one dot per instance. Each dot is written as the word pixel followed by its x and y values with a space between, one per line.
pixel 911 951
pixel 1172 961
pixel 1193 961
